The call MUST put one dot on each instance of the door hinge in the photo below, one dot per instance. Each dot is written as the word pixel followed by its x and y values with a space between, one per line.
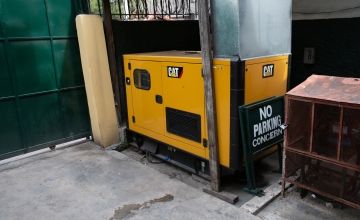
pixel 133 119
pixel 205 142
pixel 129 66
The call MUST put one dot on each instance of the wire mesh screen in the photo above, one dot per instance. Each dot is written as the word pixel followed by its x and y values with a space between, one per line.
pixel 148 9
pixel 327 179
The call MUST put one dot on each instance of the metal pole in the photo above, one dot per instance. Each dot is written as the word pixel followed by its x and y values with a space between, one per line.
pixel 207 59
pixel 111 56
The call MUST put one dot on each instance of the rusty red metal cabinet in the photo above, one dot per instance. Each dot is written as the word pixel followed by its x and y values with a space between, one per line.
pixel 322 140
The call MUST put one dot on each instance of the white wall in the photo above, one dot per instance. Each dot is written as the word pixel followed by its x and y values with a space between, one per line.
pixel 325 9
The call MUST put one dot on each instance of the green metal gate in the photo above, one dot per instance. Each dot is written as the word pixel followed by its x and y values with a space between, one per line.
pixel 42 94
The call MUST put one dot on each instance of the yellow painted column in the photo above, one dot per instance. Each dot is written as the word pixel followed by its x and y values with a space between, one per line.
pixel 98 85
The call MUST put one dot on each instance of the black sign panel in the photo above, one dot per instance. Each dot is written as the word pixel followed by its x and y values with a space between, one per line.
pixel 260 123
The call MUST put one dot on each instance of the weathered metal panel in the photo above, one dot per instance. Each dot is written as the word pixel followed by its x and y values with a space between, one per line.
pixel 329 89
pixel 42 95
pixel 251 28
pixel 225 23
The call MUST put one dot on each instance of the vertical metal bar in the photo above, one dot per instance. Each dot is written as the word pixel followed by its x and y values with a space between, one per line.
pixel 189 9
pixel 137 8
pixel 89 7
pixel 127 9
pixel 162 9
pixel 176 8
pixel 207 59
pixel 196 9
pixel 283 175
pixel 312 126
pixel 183 7
pixel 130 7
pixel 62 118
pixel 120 13
pixel 145 8
pixel 99 9
pixel 154 8
pixel 169 8
pixel 341 123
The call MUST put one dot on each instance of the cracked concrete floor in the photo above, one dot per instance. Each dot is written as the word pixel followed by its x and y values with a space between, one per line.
pixel 86 182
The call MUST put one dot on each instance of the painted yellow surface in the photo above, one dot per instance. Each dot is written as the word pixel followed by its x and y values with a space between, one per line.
pixel 185 93
pixel 258 88
pixel 148 114
pixel 94 60
pixel 222 99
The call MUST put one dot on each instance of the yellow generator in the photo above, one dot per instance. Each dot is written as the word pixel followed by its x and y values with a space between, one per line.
pixel 166 103
pixel 165 90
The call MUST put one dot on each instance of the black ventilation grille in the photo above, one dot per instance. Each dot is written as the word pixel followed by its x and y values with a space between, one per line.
pixel 183 124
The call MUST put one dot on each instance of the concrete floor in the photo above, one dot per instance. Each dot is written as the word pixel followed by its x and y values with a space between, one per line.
pixel 291 207
pixel 310 208
pixel 229 183
pixel 86 182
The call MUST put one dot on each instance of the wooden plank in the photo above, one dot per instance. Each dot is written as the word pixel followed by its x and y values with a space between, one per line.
pixel 207 59
pixel 225 196
pixel 110 46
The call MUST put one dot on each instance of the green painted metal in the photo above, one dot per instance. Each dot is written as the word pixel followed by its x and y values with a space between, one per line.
pixel 42 94
pixel 260 125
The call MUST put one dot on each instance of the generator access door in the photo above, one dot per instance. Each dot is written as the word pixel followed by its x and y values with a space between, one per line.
pixel 145 81
pixel 184 104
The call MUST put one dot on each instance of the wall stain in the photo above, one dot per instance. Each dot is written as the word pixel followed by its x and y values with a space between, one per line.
pixel 128 210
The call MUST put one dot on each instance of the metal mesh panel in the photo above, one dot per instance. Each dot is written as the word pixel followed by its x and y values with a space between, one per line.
pixel 350 141
pixel 326 130
pixel 183 124
pixel 299 134
pixel 328 179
